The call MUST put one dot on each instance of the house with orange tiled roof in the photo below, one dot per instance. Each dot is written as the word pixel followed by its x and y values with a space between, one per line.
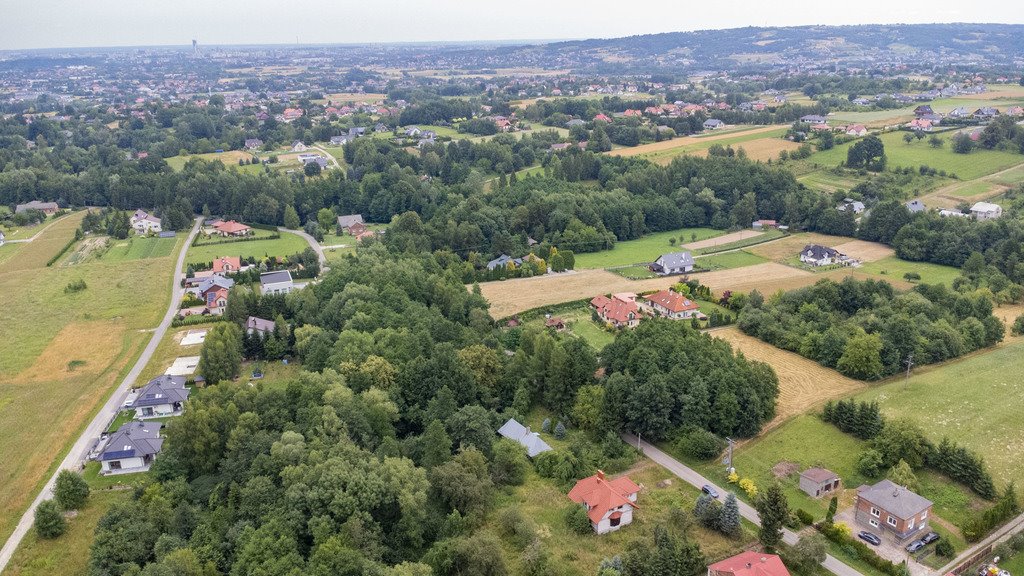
pixel 227 264
pixel 619 311
pixel 749 564
pixel 672 305
pixel 609 503
pixel 231 228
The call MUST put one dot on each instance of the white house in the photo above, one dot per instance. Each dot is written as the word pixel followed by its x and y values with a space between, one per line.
pixel 162 396
pixel 2 240
pixel 816 255
pixel 986 211
pixel 299 146
pixel 609 503
pixel 279 282
pixel 132 448
pixel 673 263
pixel 143 222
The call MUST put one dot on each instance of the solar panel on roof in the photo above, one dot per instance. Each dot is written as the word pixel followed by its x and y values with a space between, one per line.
pixel 118 454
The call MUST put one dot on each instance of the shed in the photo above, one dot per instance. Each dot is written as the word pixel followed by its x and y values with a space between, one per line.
pixel 817 482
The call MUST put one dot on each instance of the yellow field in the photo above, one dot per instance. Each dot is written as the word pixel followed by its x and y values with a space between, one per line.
pixel 765 149
pixel 686 141
pixel 792 245
pixel 724 239
pixel 803 384
pixel 864 251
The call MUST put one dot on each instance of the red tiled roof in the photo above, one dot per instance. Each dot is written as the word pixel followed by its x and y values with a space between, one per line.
pixel 672 301
pixel 614 309
pixel 750 564
pixel 230 227
pixel 229 262
pixel 601 495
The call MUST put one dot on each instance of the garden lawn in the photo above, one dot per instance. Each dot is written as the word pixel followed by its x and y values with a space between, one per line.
pixel 727 260
pixel 766 236
pixel 579 322
pixel 900 154
pixel 893 268
pixel 643 250
pixel 973 188
pixel 67 555
pixel 976 401
pixel 135 248
pixel 286 245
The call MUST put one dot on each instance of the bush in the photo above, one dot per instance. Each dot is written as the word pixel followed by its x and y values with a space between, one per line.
pixel 545 426
pixel 560 430
pixel 75 286
pixel 71 490
pixel 1018 326
pixel 911 276
pixel 840 534
pixel 749 487
pixel 50 521
pixel 945 549
pixel 870 463
pixel 701 444
pixel 577 520
pixel 804 516
pixel 517 528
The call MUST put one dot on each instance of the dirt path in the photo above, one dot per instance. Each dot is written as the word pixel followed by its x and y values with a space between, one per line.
pixel 687 141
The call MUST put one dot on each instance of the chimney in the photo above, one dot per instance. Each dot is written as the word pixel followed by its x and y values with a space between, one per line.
pixel 763 559
pixel 748 565
pixel 600 474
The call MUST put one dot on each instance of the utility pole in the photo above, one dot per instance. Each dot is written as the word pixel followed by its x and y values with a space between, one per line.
pixel 910 363
pixel 638 442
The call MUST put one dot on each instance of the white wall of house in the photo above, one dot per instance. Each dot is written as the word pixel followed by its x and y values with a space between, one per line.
pixel 157 411
pixel 146 226
pixel 810 260
pixel 605 525
pixel 278 288
pixel 126 464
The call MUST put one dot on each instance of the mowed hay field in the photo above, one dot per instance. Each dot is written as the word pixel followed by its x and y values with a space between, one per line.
pixel 663 152
pixel 63 353
pixel 803 383
pixel 976 401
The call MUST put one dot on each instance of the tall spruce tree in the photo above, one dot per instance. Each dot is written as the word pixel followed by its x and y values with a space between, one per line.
pixel 774 511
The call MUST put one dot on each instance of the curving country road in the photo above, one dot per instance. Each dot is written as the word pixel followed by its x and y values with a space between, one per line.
pixel 85 442
pixel 692 477
pixel 312 244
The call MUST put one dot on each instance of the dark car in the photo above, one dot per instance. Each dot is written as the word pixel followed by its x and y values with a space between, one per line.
pixel 930 537
pixel 707 489
pixel 869 538
pixel 915 546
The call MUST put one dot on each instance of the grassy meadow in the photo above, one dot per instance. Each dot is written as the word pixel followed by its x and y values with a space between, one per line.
pixel 64 352
pixel 645 249
pixel 894 268
pixel 286 245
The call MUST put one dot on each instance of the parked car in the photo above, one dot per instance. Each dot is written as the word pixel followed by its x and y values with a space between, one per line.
pixel 915 546
pixel 930 537
pixel 869 538
pixel 707 489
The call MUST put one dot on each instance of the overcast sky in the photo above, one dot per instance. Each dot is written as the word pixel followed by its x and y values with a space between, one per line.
pixel 73 23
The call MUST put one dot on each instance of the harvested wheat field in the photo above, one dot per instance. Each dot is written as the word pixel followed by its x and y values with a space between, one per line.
pixel 792 245
pixel 687 141
pixel 724 239
pixel 83 348
pixel 764 149
pixel 803 383
pixel 865 251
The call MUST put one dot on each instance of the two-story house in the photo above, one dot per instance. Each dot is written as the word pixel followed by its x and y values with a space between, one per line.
pixel 892 509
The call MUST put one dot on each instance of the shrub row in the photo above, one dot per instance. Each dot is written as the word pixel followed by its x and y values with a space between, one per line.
pixel 840 535
pixel 76 238
pixel 194 319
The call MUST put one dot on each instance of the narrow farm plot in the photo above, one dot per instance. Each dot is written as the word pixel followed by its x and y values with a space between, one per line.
pixel 803 384
pixel 976 400
pixel 671 148
pixel 723 239
pixel 286 245
pixel 865 251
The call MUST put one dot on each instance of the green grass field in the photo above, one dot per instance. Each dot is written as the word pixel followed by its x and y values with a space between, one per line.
pixel 900 154
pixel 645 249
pixel 729 260
pixel 140 248
pixel 893 268
pixel 827 181
pixel 8 250
pixel 64 352
pixel 973 188
pixel 579 322
pixel 1010 177
pixel 976 401
pixel 759 239
pixel 286 245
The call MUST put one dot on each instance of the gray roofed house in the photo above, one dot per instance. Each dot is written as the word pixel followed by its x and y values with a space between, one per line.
pixel 915 206
pixel 339 140
pixel 819 481
pixel 713 124
pixel 575 122
pixel 45 207
pixel 132 448
pixel 278 282
pixel 215 281
pixel 356 132
pixel 530 440
pixel 162 396
pixel 892 508
pixel 813 119
pixel 817 255
pixel 347 221
pixel 851 205
pixel 254 324
pixel 673 263
pixel 502 261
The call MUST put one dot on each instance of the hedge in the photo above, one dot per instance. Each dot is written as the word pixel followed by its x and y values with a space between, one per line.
pixel 835 534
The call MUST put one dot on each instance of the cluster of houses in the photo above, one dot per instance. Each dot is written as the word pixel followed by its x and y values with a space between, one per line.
pixel 979 211
pixel 214 285
pixel 626 309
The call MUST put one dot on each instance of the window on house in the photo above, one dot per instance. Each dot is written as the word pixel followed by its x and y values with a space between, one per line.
pixel 910 525
pixel 891 521
pixel 614 521
pixel 874 523
pixel 115 464
pixel 924 516
pixel 875 512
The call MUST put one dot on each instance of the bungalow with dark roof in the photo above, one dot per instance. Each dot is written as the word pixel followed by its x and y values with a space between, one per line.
pixel 349 220
pixel 277 282
pixel 48 208
pixel 817 255
pixel 162 396
pixel 254 325
pixel 713 124
pixel 609 503
pixel 817 482
pixel 131 449
pixel 673 263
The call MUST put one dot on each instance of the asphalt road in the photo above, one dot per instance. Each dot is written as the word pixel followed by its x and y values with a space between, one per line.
pixel 312 244
pixel 85 442
pixel 747 511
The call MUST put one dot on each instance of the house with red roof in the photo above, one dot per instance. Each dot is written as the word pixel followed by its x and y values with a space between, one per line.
pixel 602 118
pixel 672 305
pixel 618 311
pixel 231 228
pixel 609 503
pixel 227 264
pixel 749 564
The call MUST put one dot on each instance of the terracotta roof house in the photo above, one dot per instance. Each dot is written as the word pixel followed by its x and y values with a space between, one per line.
pixel 672 305
pixel 856 130
pixel 232 228
pixel 513 430
pixel 555 322
pixel 749 564
pixel 131 449
pixel 162 396
pixel 618 312
pixel 602 118
pixel 817 482
pixel 673 263
pixel 609 503
pixel 226 264
pixel 893 509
